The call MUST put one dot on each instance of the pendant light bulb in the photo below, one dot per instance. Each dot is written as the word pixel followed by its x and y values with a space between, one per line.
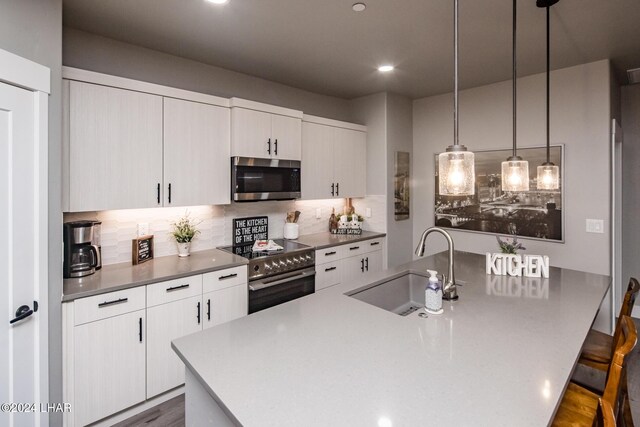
pixel 456 170
pixel 515 171
pixel 548 177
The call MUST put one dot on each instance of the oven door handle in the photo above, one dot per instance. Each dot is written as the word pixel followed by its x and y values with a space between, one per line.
pixel 262 284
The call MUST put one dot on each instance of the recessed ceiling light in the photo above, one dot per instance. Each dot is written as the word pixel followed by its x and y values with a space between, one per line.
pixel 218 1
pixel 359 7
pixel 385 68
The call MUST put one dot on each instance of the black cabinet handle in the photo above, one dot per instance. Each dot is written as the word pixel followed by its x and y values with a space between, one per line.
pixel 338 189
pixel 209 309
pixel 228 276
pixel 175 288
pixel 198 316
pixel 330 253
pixel 330 269
pixel 21 313
pixel 275 151
pixel 108 303
pixel 333 192
pixel 269 146
pixel 140 329
pixel 354 248
pixel 362 265
pixel 158 193
pixel 366 263
pixel 169 192
pixel 375 243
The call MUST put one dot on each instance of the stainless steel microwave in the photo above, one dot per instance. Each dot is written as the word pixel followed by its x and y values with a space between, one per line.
pixel 254 179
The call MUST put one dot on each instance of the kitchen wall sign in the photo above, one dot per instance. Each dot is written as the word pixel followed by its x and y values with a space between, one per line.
pixel 518 265
pixel 536 213
pixel 141 249
pixel 402 193
pixel 247 230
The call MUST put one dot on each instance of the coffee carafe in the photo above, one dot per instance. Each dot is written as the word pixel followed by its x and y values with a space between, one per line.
pixel 97 232
pixel 81 256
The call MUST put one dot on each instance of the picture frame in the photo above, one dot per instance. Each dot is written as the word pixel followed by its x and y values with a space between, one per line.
pixel 402 185
pixel 141 249
pixel 535 214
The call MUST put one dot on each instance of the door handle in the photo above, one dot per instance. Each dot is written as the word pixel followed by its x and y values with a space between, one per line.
pixel 276 148
pixel 333 189
pixel 209 309
pixel 198 316
pixel 366 263
pixel 22 312
pixel 140 329
pixel 169 192
pixel 338 189
pixel 362 265
pixel 158 193
pixel 269 146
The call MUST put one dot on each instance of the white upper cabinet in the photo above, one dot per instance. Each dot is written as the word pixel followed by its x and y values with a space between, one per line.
pixel 196 153
pixel 114 148
pixel 265 131
pixel 334 159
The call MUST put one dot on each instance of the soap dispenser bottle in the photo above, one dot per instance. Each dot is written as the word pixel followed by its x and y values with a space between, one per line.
pixel 433 294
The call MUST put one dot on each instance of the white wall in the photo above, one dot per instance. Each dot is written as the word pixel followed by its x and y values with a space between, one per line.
pixel 580 119
pixel 631 179
pixel 96 53
pixel 33 29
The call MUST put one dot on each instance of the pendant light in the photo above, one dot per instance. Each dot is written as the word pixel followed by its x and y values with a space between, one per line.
pixel 548 173
pixel 456 166
pixel 515 171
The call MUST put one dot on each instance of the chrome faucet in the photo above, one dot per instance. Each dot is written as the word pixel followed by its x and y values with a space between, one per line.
pixel 449 291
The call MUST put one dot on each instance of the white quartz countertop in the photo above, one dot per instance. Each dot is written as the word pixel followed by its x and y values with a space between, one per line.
pixel 500 356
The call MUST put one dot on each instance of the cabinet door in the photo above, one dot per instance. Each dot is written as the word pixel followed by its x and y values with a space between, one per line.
pixel 352 268
pixel 196 153
pixel 225 305
pixel 108 367
pixel 286 135
pixel 165 323
pixel 328 274
pixel 373 262
pixel 350 159
pixel 115 148
pixel 251 133
pixel 317 161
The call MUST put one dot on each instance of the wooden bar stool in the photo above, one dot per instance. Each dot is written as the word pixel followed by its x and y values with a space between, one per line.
pixel 579 406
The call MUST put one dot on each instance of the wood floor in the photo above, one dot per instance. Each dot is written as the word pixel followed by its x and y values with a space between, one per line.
pixel 171 412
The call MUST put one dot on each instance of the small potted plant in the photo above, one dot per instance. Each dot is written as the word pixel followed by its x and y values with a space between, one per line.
pixel 510 247
pixel 184 231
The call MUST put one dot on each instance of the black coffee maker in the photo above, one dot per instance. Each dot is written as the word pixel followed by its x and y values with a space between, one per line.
pixel 81 255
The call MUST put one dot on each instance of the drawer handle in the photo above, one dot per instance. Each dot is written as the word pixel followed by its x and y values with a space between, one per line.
pixel 228 276
pixel 330 253
pixel 375 243
pixel 330 269
pixel 108 303
pixel 354 248
pixel 175 288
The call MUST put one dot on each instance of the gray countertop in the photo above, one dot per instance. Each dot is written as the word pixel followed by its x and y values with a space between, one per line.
pixel 122 276
pixel 501 355
pixel 326 239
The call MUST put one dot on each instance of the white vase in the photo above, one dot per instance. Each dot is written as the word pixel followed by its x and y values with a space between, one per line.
pixel 183 249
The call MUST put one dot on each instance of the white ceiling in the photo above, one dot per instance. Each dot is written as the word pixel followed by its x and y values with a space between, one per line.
pixel 325 47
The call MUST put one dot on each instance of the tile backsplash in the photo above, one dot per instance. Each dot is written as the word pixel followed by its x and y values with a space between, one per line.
pixel 120 226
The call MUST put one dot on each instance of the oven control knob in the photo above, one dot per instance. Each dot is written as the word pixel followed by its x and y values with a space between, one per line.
pixel 283 264
pixel 308 257
pixel 289 261
pixel 267 267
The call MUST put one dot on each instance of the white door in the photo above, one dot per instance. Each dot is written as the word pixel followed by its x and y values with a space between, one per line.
pixel 350 159
pixel 317 161
pixel 196 154
pixel 251 133
pixel 23 247
pixel 225 305
pixel 352 268
pixel 286 134
pixel 373 262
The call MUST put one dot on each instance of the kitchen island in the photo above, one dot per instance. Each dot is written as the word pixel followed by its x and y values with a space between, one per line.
pixel 500 355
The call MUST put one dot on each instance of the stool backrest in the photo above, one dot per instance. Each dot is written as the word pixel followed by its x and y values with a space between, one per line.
pixel 626 309
pixel 604 415
pixel 617 369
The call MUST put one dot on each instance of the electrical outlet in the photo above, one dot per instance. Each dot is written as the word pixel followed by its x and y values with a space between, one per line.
pixel 595 226
pixel 143 228
pixel 368 212
pixel 318 213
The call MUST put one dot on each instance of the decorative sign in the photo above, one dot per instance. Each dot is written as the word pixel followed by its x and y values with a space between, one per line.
pixel 518 265
pixel 247 230
pixel 347 231
pixel 141 249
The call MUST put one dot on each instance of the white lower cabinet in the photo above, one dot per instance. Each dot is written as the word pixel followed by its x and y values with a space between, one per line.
pixel 165 323
pixel 117 346
pixel 108 366
pixel 348 262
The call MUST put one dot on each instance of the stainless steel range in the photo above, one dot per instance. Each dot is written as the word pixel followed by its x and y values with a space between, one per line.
pixel 280 276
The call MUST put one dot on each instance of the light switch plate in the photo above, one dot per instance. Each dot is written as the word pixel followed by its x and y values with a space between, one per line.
pixel 143 228
pixel 368 212
pixel 318 213
pixel 595 226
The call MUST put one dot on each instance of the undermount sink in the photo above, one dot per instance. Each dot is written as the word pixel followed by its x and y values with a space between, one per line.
pixel 401 295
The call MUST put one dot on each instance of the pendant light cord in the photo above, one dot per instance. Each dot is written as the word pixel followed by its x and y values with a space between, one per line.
pixel 455 74
pixel 548 83
pixel 514 79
